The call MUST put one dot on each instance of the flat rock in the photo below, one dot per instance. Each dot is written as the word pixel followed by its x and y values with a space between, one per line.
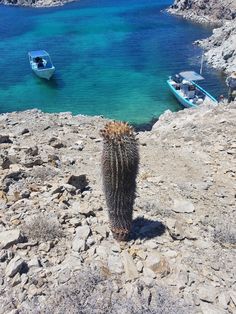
pixel 115 264
pixel 102 230
pixel 175 228
pixel 233 296
pixel 64 275
pixel 83 232
pixel 207 293
pixel 182 279
pixel 208 308
pixel 79 245
pixel 183 206
pixel 131 272
pixel 9 238
pixel 83 208
pixel 224 300
pixel 102 251
pixel 34 263
pixel 153 261
pixel 15 266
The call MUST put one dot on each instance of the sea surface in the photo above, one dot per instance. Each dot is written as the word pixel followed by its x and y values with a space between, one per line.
pixel 112 58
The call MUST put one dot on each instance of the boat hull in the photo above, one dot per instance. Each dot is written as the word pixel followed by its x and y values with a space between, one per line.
pixel 185 101
pixel 45 73
pixel 181 99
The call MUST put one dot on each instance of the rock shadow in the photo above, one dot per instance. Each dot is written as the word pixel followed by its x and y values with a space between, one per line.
pixel 146 229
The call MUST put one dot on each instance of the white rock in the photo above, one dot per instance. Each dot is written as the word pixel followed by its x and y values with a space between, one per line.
pixel 83 208
pixel 153 261
pixel 207 293
pixel 79 245
pixel 139 266
pixel 147 272
pixel 102 251
pixel 233 296
pixel 183 206
pixel 14 266
pixel 102 230
pixel 71 262
pixel 115 264
pixel 116 248
pixel 10 237
pixel 83 232
pixel 182 279
pixel 33 263
pixel 208 308
pixel 223 300
pixel 129 266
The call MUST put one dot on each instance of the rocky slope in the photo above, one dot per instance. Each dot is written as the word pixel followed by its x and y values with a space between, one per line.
pixel 221 46
pixel 35 3
pixel 57 254
pixel 205 11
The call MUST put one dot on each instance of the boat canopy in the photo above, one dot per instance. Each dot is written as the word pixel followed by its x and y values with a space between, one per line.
pixel 38 53
pixel 191 76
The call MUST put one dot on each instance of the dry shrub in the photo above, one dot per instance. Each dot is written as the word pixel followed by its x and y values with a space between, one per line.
pixel 89 292
pixel 42 227
pixel 225 233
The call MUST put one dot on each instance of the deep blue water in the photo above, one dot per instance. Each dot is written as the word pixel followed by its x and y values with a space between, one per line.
pixel 112 58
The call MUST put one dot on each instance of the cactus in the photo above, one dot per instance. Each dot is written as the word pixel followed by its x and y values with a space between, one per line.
pixel 120 160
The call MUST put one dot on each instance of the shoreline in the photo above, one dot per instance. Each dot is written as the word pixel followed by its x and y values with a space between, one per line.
pixel 38 5
pixel 220 48
pixel 138 127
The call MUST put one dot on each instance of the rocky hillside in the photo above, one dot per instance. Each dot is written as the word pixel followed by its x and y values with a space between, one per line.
pixel 35 3
pixel 57 254
pixel 210 11
pixel 221 46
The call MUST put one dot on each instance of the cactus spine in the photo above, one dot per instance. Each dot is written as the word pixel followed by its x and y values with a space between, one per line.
pixel 120 160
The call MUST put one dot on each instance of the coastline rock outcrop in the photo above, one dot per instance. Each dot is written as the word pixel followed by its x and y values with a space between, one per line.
pixel 61 256
pixel 202 11
pixel 221 46
pixel 35 3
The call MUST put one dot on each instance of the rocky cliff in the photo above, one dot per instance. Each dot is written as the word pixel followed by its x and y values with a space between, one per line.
pixel 35 3
pixel 57 254
pixel 221 46
pixel 205 11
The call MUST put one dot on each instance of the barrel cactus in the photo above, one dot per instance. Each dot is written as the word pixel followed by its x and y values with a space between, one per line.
pixel 120 160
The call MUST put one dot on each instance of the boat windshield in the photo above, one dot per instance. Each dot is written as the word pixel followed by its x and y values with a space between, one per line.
pixel 45 60
pixel 191 76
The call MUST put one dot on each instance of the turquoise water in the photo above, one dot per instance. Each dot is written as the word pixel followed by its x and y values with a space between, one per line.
pixel 112 58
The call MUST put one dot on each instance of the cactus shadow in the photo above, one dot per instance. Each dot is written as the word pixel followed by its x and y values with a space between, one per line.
pixel 146 228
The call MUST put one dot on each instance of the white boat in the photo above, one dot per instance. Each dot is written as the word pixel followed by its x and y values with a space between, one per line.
pixel 41 64
pixel 187 92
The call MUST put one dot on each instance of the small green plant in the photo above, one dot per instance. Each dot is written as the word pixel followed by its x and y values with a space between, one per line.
pixel 120 161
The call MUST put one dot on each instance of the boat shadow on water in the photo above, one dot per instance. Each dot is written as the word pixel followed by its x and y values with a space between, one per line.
pixel 56 82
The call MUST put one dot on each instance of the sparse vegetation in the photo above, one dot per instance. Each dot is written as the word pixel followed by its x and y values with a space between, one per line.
pixel 42 227
pixel 225 233
pixel 91 292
